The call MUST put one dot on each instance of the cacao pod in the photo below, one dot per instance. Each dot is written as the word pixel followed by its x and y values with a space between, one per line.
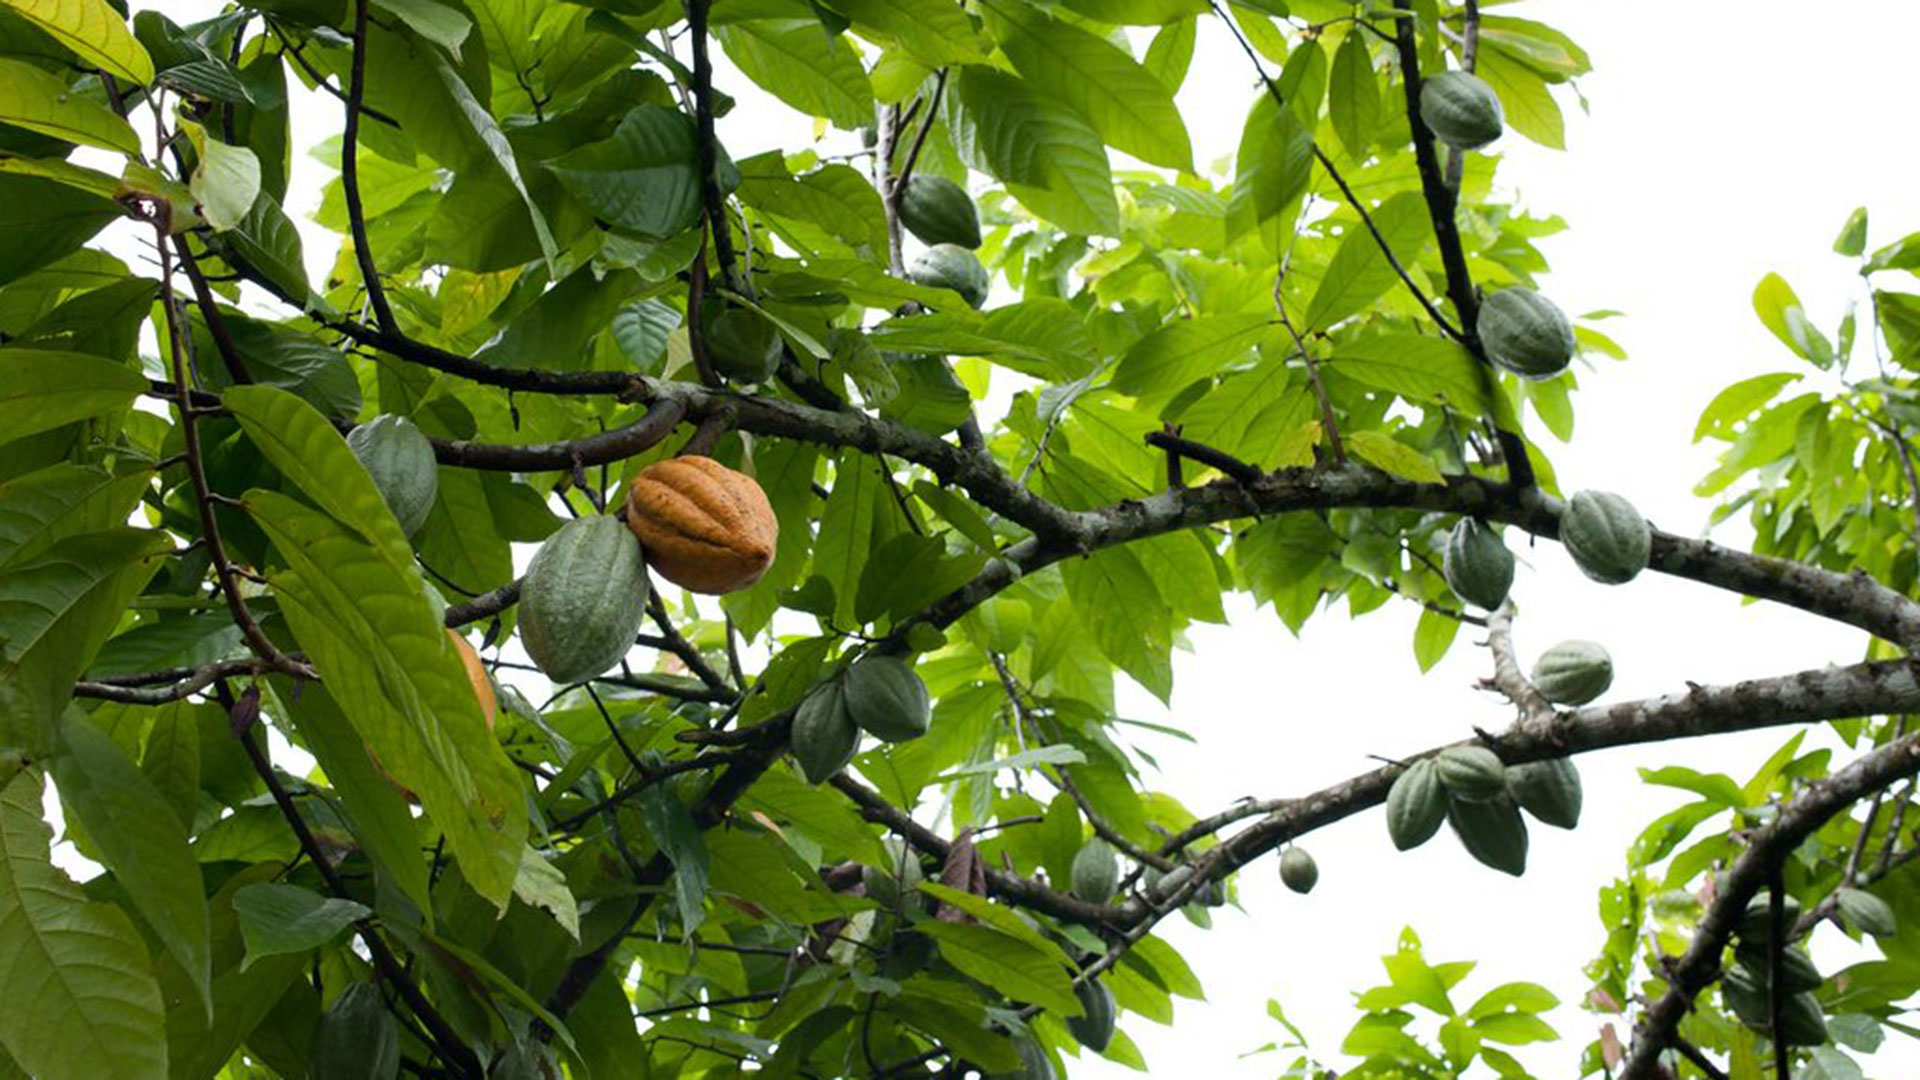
pixel 1745 996
pixel 356 1039
pixel 742 345
pixel 1606 536
pixel 1867 913
pixel 1160 885
pixel 1298 870
pixel 1802 1023
pixel 1034 1062
pixel 1797 973
pixel 1461 109
pixel 1096 871
pixel 887 889
pixel 950 266
pixel 582 599
pixel 1492 831
pixel 824 737
pixel 1416 805
pixel 703 526
pixel 887 699
pixel 1573 672
pixel 400 459
pixel 1472 773
pixel 939 211
pixel 1756 922
pixel 1549 790
pixel 1477 566
pixel 1093 1028
pixel 1525 333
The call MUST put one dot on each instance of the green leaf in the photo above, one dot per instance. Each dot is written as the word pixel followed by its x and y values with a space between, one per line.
pixel 140 839
pixel 1136 12
pixel 226 183
pixel 1359 273
pixel 1132 110
pixel 1050 158
pixel 276 919
pixel 644 179
pixel 1528 104
pixel 45 221
pixel 1057 754
pixel 934 32
pixel 1353 96
pixel 41 390
pixel 1272 171
pixel 40 101
pixel 366 623
pixel 1853 235
pixel 1779 309
pixel 1432 636
pixel 1011 965
pixel 672 827
pixel 1386 453
pixel 799 62
pixel 1432 370
pixel 498 149
pixel 94 31
pixel 1121 609
pixel 439 23
pixel 61 500
pixel 81 998
pixel 846 529
pixel 1180 352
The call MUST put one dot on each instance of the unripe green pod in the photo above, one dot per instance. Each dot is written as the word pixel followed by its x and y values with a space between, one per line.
pixel 582 599
pixel 400 459
pixel 1492 831
pixel 1802 1022
pixel 1416 805
pixel 1473 773
pixel 1525 333
pixel 1745 996
pixel 1477 566
pixel 1797 973
pixel 887 699
pixel 1298 870
pixel 1461 109
pixel 1094 1027
pixel 1606 536
pixel 825 738
pixel 939 211
pixel 743 345
pixel 1549 790
pixel 950 266
pixel 1573 672
pixel 1756 922
pixel 357 1038
pixel 1867 913
pixel 1096 871
pixel 1034 1062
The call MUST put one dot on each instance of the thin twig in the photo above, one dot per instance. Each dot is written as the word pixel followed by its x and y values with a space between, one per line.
pixel 350 174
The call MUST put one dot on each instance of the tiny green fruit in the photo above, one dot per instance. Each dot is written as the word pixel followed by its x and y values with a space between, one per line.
pixel 825 738
pixel 886 699
pixel 1461 109
pixel 1298 870
pixel 1525 333
pixel 743 345
pixel 1416 805
pixel 400 459
pixel 1095 872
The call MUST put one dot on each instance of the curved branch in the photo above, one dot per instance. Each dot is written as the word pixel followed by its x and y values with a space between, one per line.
pixel 607 446
pixel 1767 850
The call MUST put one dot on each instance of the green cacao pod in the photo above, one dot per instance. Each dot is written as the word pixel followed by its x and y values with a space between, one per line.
pixel 356 1039
pixel 1160 885
pixel 1096 871
pixel 1802 1023
pixel 1492 831
pixel 1461 109
pixel 825 738
pixel 582 599
pixel 1549 790
pixel 887 699
pixel 400 460
pixel 1867 913
pixel 1797 973
pixel 743 345
pixel 1606 536
pixel 1573 672
pixel 1745 996
pixel 939 211
pixel 1472 773
pixel 1298 870
pixel 1478 567
pixel 950 266
pixel 1034 1062
pixel 1093 1028
pixel 1756 922
pixel 1525 333
pixel 1416 805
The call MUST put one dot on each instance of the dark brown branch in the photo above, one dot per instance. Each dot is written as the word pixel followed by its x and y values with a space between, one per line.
pixel 1204 454
pixel 600 449
pixel 350 174
pixel 707 144
pixel 180 682
pixel 210 311
pixel 1767 849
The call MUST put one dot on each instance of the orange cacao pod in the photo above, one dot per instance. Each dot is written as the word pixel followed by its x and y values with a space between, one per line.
pixel 703 526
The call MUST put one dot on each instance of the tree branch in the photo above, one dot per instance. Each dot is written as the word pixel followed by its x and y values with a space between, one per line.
pixel 350 174
pixel 1536 712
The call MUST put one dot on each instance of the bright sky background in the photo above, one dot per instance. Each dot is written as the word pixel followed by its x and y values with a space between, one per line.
pixel 1724 142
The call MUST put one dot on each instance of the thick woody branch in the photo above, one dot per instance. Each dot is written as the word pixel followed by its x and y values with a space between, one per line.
pixel 1767 850
pixel 1508 678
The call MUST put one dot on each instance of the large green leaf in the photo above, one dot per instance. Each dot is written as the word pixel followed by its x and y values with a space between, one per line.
pixel 140 839
pixel 41 507
pixel 1121 609
pixel 45 221
pixel 278 918
pixel 1130 108
pixel 41 389
pixel 1015 967
pixel 934 32
pixel 226 183
pixel 1360 273
pixel 1180 352
pixel 40 101
pixel 81 999
pixel 799 62
pixel 644 179
pixel 370 631
pixel 1050 158
pixel 1417 367
pixel 1272 170
pixel 94 31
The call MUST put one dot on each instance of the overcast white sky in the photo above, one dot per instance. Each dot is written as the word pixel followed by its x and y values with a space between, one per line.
pixel 1724 141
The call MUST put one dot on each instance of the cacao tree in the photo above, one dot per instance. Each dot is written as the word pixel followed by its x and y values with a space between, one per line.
pixel 646 610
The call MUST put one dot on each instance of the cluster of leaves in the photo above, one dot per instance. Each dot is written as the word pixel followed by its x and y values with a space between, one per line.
pixel 533 211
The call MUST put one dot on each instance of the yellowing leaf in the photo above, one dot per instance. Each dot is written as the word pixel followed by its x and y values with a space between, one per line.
pixel 1382 452
pixel 94 31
